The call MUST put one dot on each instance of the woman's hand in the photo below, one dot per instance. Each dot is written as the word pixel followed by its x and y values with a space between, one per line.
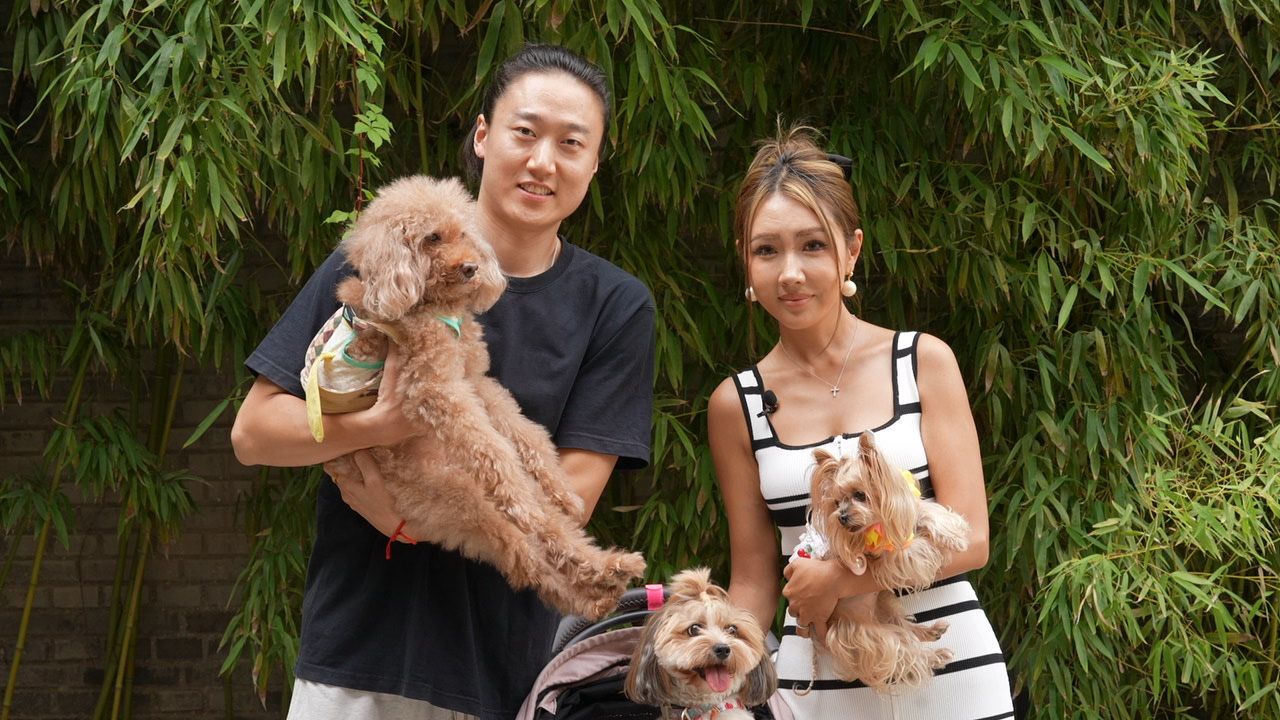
pixel 813 589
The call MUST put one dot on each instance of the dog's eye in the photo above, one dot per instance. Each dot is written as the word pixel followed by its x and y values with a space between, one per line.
pixel 694 630
pixel 859 496
pixel 433 238
pixel 732 630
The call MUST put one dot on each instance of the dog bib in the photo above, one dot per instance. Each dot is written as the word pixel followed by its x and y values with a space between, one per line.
pixel 333 381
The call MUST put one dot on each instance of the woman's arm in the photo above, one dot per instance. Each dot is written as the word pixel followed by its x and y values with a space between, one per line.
pixel 753 543
pixel 951 441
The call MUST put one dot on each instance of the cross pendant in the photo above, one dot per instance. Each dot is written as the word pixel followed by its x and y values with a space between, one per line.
pixel 834 391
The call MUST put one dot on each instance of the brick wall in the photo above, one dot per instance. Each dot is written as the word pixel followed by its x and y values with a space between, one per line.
pixel 188 583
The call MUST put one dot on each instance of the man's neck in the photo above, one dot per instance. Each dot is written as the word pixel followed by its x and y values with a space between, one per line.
pixel 522 254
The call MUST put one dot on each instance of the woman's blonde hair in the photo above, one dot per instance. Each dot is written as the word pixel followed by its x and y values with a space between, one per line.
pixel 792 164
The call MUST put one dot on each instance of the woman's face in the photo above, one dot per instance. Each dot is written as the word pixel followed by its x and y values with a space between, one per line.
pixel 540 150
pixel 794 265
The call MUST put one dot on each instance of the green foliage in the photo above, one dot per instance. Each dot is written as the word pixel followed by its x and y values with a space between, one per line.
pixel 265 629
pixel 1080 197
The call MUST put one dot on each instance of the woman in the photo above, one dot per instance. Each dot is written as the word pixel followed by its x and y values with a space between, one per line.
pixel 428 633
pixel 831 376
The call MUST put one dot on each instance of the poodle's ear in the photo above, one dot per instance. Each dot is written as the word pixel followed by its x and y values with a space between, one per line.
pixel 351 293
pixel 492 282
pixel 394 274
pixel 760 684
pixel 646 682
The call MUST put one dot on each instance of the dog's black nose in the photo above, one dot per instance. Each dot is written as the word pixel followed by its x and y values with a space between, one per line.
pixel 721 651
pixel 468 270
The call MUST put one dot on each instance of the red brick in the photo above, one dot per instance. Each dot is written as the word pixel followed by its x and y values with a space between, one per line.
pixel 179 701
pixel 98 570
pixel 65 649
pixel 181 596
pixel 227 543
pixel 156 674
pixel 207 622
pixel 75 597
pixel 219 594
pixel 19 442
pixel 212 569
pixel 179 648
pixel 31 703
pixel 77 703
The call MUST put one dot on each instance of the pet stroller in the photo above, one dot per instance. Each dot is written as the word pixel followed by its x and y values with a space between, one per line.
pixel 589 663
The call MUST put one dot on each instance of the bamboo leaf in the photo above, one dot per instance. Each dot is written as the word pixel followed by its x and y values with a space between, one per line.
pixel 1084 147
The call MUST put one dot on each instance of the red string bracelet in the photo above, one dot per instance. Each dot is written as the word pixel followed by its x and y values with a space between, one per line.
pixel 399 533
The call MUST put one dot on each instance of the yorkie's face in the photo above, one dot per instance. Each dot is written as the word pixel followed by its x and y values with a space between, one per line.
pixel 699 650
pixel 707 649
pixel 863 504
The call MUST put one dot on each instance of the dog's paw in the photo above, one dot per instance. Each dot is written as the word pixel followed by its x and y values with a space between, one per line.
pixel 601 607
pixel 628 566
pixel 939 658
pixel 933 631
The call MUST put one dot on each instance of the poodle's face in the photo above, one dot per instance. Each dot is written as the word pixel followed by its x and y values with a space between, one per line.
pixel 861 504
pixel 417 244
pixel 700 650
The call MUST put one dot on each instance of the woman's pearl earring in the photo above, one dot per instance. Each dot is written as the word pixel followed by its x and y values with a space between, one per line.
pixel 751 294
pixel 849 288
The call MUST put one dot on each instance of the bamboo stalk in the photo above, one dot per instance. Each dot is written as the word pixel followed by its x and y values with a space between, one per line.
pixel 130 668
pixel 111 658
pixel 423 156
pixel 131 617
pixel 42 540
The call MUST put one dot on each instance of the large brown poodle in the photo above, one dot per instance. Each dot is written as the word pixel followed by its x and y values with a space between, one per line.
pixel 478 476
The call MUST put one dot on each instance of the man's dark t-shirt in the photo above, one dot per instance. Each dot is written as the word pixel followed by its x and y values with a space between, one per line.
pixel 574 345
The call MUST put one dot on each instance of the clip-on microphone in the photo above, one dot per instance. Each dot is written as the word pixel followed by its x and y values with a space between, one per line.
pixel 770 403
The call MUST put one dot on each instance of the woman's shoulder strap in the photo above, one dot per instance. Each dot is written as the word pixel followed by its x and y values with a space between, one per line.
pixel 906 390
pixel 751 393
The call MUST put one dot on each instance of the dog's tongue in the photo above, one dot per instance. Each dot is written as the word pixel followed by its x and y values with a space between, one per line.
pixel 718 678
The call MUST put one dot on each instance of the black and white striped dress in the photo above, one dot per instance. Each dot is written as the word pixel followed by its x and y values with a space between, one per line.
pixel 975 684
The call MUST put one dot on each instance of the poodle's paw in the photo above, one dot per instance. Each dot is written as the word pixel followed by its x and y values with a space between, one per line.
pixel 567 502
pixel 602 606
pixel 627 566
pixel 591 602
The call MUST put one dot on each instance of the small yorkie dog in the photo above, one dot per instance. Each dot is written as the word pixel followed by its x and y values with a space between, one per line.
pixel 701 657
pixel 869 516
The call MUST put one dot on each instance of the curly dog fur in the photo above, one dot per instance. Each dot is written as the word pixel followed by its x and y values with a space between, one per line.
pixel 869 636
pixel 478 477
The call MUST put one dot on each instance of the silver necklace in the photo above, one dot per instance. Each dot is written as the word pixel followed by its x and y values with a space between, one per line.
pixel 835 388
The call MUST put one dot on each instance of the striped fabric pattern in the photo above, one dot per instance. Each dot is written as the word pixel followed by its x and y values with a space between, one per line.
pixel 975 685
